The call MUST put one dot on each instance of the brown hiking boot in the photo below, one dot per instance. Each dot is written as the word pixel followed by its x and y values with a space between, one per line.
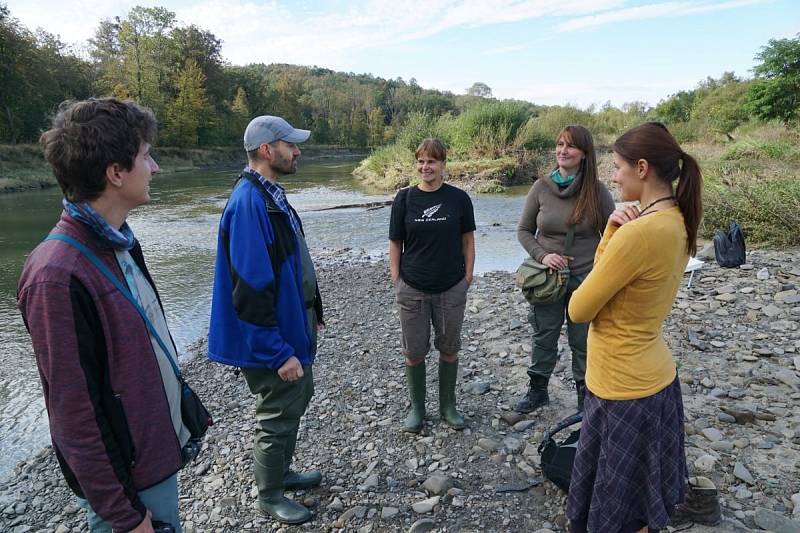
pixel 701 505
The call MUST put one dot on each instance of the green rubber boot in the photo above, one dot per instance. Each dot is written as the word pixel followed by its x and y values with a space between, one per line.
pixel 448 375
pixel 283 509
pixel 415 376
pixel 269 473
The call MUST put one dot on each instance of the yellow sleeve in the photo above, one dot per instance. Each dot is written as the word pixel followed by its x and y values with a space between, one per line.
pixel 609 232
pixel 618 263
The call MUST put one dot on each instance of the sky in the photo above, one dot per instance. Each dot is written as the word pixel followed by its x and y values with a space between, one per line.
pixel 580 52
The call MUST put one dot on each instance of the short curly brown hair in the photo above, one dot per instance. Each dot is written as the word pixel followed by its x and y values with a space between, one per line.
pixel 89 135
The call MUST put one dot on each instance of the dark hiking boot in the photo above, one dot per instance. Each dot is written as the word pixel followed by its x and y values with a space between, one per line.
pixel 580 389
pixel 301 480
pixel 448 375
pixel 415 377
pixel 701 505
pixel 536 396
pixel 282 509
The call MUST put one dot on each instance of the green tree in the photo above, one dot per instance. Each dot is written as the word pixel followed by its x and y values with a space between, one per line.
pixel 146 52
pixel 775 93
pixel 676 108
pixel 190 108
pixel 480 89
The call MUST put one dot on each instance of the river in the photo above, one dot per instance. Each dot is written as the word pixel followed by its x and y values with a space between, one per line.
pixel 178 234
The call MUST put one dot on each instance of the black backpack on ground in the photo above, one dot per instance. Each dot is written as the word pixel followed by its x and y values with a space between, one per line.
pixel 729 247
pixel 558 457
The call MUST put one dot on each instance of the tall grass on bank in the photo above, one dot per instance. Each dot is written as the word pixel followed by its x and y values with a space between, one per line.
pixel 767 209
pixel 756 182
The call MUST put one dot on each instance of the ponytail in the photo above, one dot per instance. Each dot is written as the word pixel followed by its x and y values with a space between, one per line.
pixel 689 195
pixel 653 142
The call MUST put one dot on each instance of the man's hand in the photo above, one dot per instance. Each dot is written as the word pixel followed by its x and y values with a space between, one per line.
pixel 291 370
pixel 146 526
pixel 468 277
pixel 624 215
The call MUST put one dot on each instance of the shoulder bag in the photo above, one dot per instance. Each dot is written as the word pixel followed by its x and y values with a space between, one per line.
pixel 540 284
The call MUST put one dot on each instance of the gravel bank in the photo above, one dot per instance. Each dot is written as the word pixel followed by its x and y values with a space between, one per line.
pixel 734 332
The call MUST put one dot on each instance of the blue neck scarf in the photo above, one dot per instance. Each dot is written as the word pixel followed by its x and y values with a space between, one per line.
pixel 119 239
pixel 560 180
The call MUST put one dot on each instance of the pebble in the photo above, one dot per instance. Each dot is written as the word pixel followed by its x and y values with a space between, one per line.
pixel 423 525
pixel 437 484
pixel 389 512
pixel 772 521
pixel 713 434
pixel 741 472
pixel 426 506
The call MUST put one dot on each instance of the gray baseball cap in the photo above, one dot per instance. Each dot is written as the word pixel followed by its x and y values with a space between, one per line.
pixel 268 129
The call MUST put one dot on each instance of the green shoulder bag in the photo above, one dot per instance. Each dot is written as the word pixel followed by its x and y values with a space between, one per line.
pixel 539 284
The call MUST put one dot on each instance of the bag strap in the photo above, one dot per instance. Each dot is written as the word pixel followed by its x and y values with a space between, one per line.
pixel 567 422
pixel 120 287
pixel 569 239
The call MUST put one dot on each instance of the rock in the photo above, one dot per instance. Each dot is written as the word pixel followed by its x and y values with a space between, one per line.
pixel 713 434
pixel 741 416
pixel 788 377
pixel 426 506
pixel 705 463
pixel 722 446
pixel 763 274
pixel 512 444
pixel 771 310
pixel 336 504
pixel 488 444
pixel 524 425
pixel 423 525
pixel 389 512
pixel 772 521
pixel 742 473
pixel 358 511
pixel 512 417
pixel 371 483
pixel 437 484
pixel 478 387
pixel 725 417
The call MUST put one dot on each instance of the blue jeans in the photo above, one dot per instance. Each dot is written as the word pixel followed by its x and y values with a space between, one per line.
pixel 161 500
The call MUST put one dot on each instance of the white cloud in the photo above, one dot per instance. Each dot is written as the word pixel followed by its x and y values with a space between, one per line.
pixel 665 9
pixel 329 38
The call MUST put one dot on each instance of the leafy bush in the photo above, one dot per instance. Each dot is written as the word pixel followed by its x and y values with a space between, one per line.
pixel 539 133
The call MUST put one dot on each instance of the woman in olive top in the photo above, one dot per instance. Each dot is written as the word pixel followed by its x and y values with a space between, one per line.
pixel 431 257
pixel 630 468
pixel 560 227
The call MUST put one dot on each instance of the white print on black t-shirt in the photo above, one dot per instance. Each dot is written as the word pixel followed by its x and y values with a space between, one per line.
pixel 428 213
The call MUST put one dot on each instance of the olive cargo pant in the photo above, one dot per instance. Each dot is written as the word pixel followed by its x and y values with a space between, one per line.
pixel 547 321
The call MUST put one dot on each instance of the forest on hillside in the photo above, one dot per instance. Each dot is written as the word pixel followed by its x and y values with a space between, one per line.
pixel 201 100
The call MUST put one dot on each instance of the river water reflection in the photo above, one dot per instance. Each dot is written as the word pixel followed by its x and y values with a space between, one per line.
pixel 178 234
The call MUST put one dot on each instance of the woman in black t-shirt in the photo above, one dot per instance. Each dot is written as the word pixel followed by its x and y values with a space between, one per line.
pixel 431 256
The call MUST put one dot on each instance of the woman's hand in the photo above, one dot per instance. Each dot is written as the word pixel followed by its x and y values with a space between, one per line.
pixel 556 262
pixel 624 215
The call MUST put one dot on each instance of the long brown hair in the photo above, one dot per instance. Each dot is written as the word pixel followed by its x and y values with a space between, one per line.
pixel 654 143
pixel 588 203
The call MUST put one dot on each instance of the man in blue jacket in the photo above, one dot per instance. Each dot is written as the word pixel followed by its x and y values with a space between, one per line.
pixel 266 309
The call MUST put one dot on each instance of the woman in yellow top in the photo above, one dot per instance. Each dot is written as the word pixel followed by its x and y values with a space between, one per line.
pixel 630 467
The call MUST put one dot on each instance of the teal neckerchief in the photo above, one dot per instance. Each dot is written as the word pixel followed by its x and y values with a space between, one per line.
pixel 561 180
